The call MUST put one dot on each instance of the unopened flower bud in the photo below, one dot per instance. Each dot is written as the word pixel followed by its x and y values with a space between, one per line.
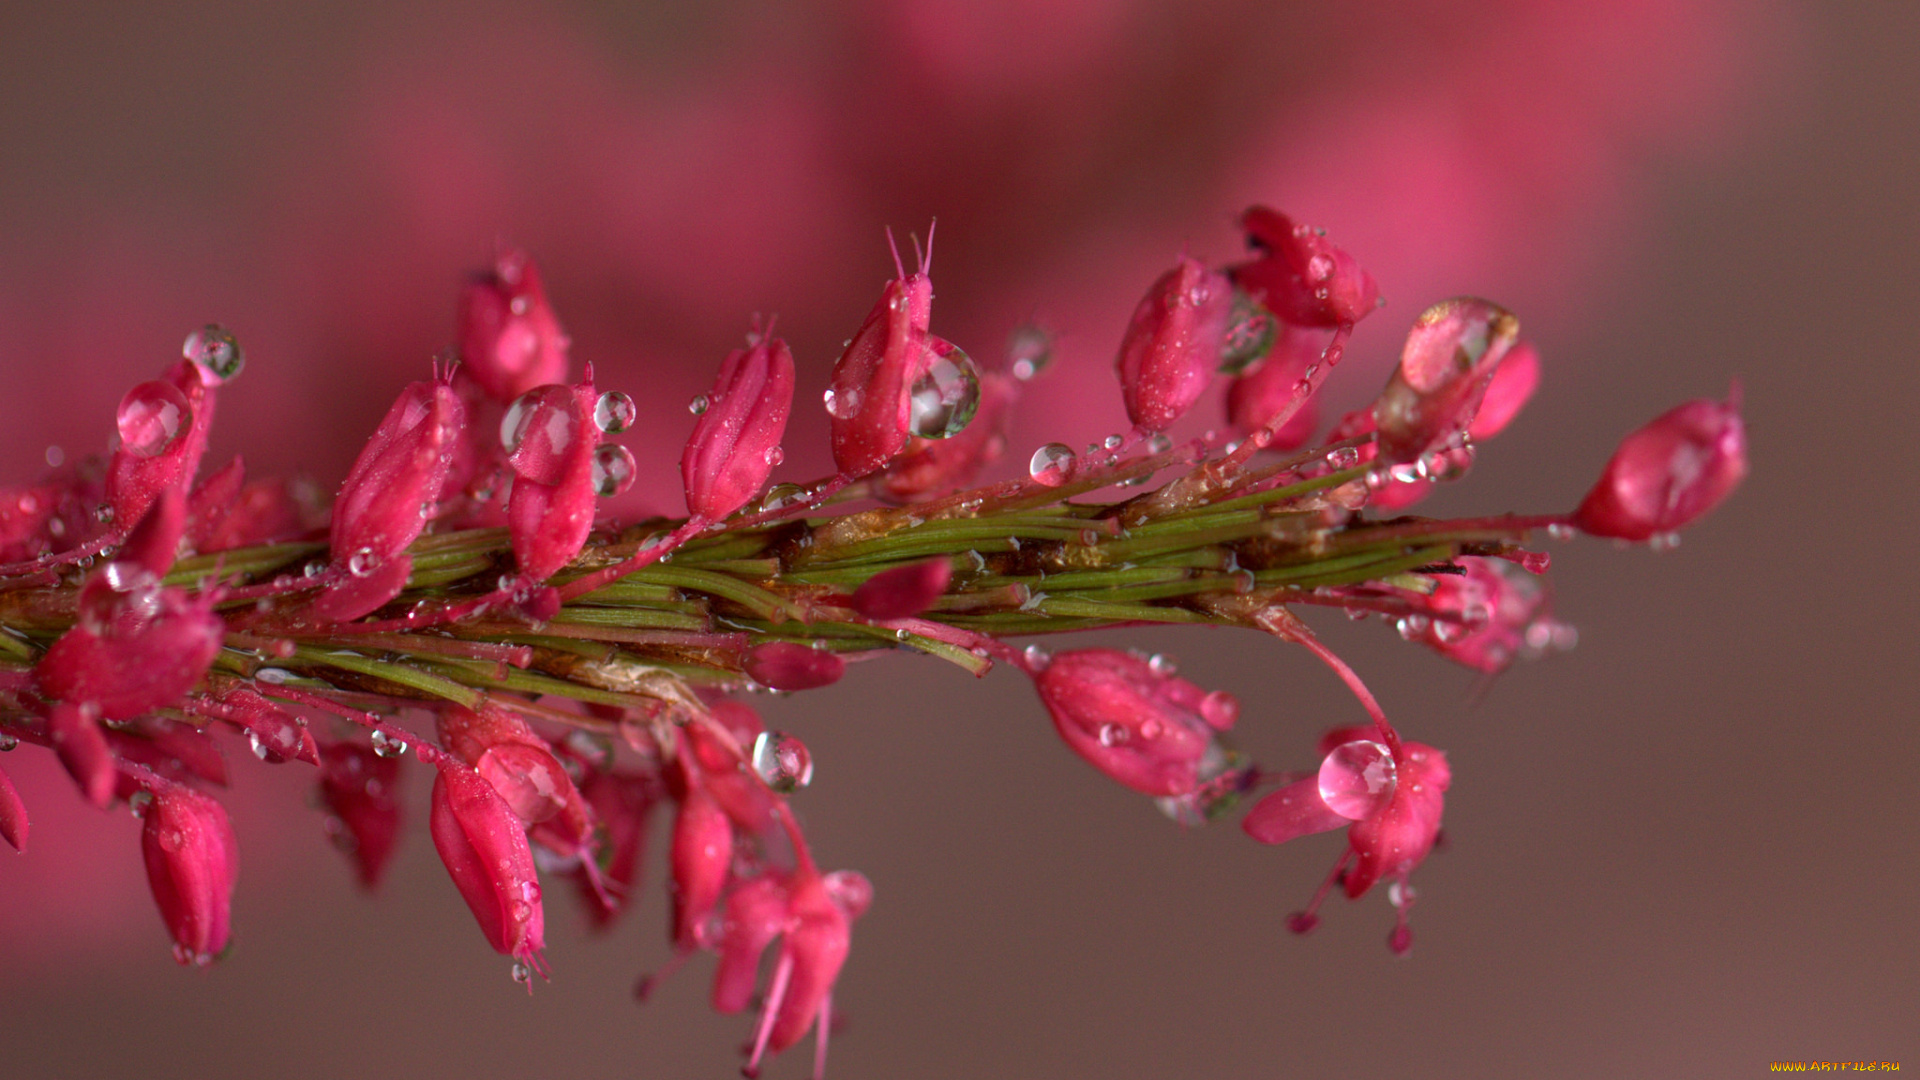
pixel 700 857
pixel 155 648
pixel 1300 276
pixel 13 815
pixel 904 591
pixel 869 404
pixel 163 427
pixel 755 914
pixel 1259 394
pixel 82 748
pixel 552 444
pixel 1145 729
pixel 1669 473
pixel 1451 355
pixel 785 665
pixel 192 862
pixel 484 848
pixel 277 735
pixel 510 340
pixel 518 763
pixel 736 441
pixel 1173 344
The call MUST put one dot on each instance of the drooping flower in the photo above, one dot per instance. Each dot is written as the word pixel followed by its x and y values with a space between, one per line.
pixel 1669 473
pixel 700 856
pixel 484 848
pixel 192 862
pixel 361 789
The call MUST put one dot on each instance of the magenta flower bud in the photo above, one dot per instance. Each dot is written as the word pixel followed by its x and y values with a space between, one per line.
pixel 82 749
pixel 1300 276
pixel 904 591
pixel 510 341
pixel 1258 395
pixel 163 427
pixel 1669 473
pixel 740 792
pixel 1517 377
pixel 175 750
pixel 1451 355
pixel 13 815
pixel 387 498
pixel 1173 344
pixel 155 540
pixel 157 645
pixel 560 467
pixel 755 914
pixel 736 441
pixel 869 404
pixel 518 763
pixel 484 848
pixel 699 859
pixel 362 791
pixel 226 512
pixel 1145 729
pixel 786 665
pixel 932 467
pixel 192 862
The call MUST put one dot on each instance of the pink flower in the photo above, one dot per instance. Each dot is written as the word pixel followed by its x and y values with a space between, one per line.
pixel 1514 381
pixel 1390 793
pixel 1258 394
pixel 904 591
pixel 1486 618
pixel 623 803
pixel 510 340
pixel 163 427
pixel 700 857
pixel 1450 357
pixel 1148 730
pixel 552 435
pixel 1173 344
pixel 276 734
pixel 192 862
pixel 484 848
pixel 1300 276
pixel 1669 473
pixel 815 914
pixel 869 403
pixel 736 442
pixel 387 498
pixel 362 791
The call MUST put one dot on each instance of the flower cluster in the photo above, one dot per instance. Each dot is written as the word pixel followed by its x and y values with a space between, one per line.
pixel 565 676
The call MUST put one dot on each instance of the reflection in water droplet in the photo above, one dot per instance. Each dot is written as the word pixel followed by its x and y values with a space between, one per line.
pixel 543 410
pixel 1052 464
pixel 1357 779
pixel 152 418
pixel 613 469
pixel 943 399
pixel 387 746
pixel 522 974
pixel 614 412
pixel 214 349
pixel 701 403
pixel 782 761
pixel 363 562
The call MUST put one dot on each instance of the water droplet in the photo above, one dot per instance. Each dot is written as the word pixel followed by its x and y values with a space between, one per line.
pixel 273 675
pixel 522 974
pixel 1412 626
pixel 152 417
pixel 363 563
pixel 1162 665
pixel 1357 779
pixel 1400 894
pixel 701 403
pixel 943 399
pixel 613 469
pixel 614 412
pixel 1052 464
pixel 1113 442
pixel 782 495
pixel 1159 443
pixel 1344 458
pixel 103 513
pixel 1559 531
pixel 138 802
pixel 774 456
pixel 1664 541
pixel 1036 657
pixel 55 456
pixel 8 743
pixel 259 748
pixel 214 349
pixel 519 305
pixel 547 410
pixel 1114 734
pixel 1249 336
pixel 387 746
pixel 1029 351
pixel 782 761
pixel 842 406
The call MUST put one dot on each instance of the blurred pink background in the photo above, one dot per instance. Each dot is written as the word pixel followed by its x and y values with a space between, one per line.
pixel 1687 847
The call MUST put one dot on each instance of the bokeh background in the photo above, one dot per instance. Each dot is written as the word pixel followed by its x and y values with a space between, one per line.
pixel 1687 848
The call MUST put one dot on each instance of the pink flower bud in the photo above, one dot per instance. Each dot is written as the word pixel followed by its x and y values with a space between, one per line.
pixel 785 665
pixel 154 648
pixel 700 857
pixel 1258 395
pixel 156 538
pixel 276 735
pixel 1451 355
pixel 904 591
pixel 192 862
pixel 739 791
pixel 510 341
pixel 518 763
pixel 82 749
pixel 1138 726
pixel 223 516
pixel 869 404
pixel 387 498
pixel 736 441
pixel 554 449
pixel 13 815
pixel 934 467
pixel 163 428
pixel 1300 276
pixel 362 791
pixel 1173 344
pixel 172 749
pixel 1513 383
pixel 484 848
pixel 1669 473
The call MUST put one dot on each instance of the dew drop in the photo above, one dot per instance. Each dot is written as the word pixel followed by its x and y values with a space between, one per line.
pixel 842 406
pixel 944 398
pixel 782 761
pixel 613 469
pixel 152 418
pixel 1113 442
pixel 1114 734
pixel 1663 541
pixel 1558 531
pixel 1344 458
pixel 614 412
pixel 387 746
pixel 1052 464
pixel 214 350
pixel 259 747
pixel 774 456
pixel 701 403
pixel 1412 626
pixel 8 743
pixel 543 410
pixel 363 563
pixel 522 974
pixel 1036 657
pixel 1249 336
pixel 1159 443
pixel 1162 665
pixel 138 802
pixel 1357 779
